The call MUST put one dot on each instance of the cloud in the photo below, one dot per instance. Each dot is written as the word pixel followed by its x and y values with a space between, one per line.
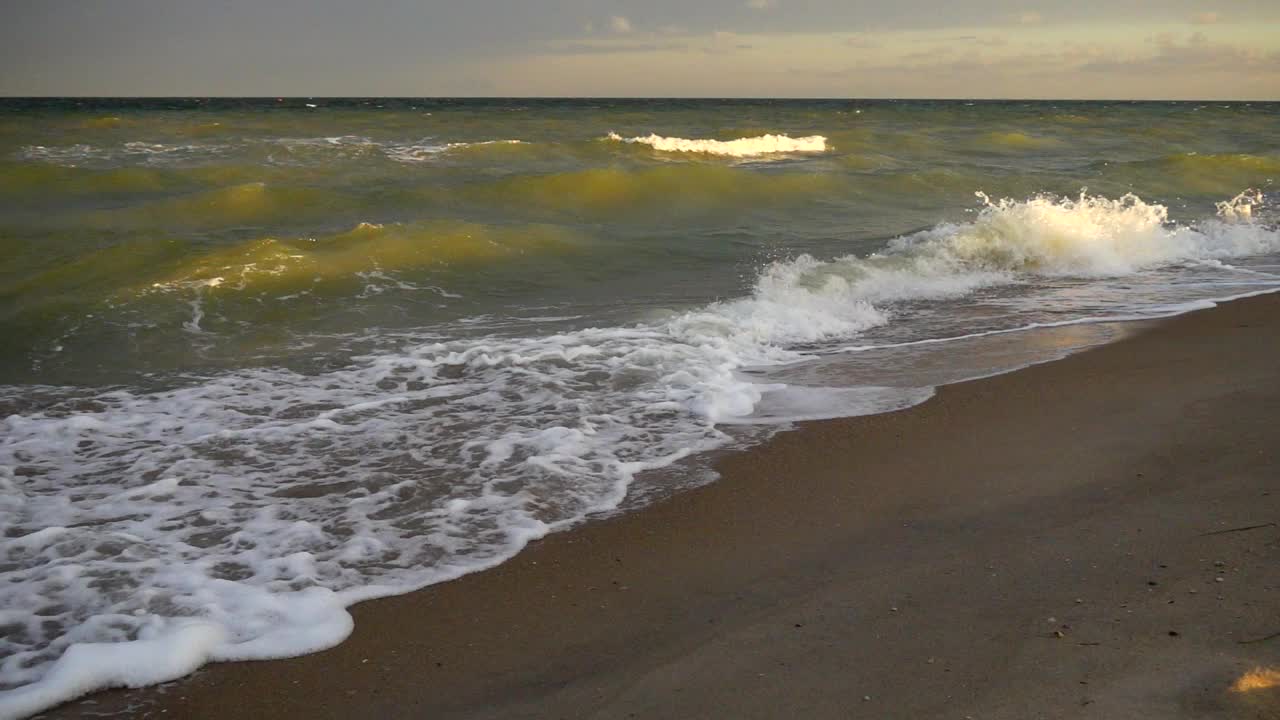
pixel 595 48
pixel 1167 56
pixel 984 40
pixel 935 55
pixel 979 61
pixel 1196 54
pixel 1206 18
pixel 724 41
pixel 863 41
pixel 619 24
pixel 761 4
pixel 1030 18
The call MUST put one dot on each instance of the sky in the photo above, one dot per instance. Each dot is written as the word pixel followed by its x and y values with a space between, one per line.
pixel 1105 49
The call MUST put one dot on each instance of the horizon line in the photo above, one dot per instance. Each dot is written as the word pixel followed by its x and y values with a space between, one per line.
pixel 281 98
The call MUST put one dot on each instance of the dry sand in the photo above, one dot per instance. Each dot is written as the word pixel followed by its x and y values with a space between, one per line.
pixel 1063 541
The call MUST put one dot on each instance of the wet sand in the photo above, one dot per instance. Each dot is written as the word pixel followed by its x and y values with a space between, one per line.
pixel 1095 537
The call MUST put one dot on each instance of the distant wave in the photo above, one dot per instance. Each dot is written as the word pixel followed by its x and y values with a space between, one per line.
pixel 290 150
pixel 742 147
pixel 132 152
pixel 671 188
pixel 1018 141
pixel 368 248
pixel 320 149
pixel 420 152
pixel 1191 165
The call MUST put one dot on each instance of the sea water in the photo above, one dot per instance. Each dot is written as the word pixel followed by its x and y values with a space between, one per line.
pixel 264 359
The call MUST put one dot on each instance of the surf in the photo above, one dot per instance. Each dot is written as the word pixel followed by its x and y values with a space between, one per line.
pixel 525 435
pixel 749 147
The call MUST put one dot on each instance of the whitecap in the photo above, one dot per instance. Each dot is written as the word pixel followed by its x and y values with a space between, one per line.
pixel 740 148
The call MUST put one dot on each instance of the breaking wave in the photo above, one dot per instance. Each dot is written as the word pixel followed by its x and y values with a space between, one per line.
pixel 740 148
pixel 238 515
pixel 1087 236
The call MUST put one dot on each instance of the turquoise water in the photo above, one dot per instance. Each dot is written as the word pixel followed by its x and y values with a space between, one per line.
pixel 264 358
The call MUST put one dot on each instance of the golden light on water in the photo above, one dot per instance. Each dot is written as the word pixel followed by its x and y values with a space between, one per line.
pixel 1256 694
pixel 1257 679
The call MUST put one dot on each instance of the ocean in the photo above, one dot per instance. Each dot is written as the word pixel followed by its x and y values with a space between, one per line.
pixel 263 359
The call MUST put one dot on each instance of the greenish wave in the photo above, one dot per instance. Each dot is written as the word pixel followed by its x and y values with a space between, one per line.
pixel 676 188
pixel 1208 173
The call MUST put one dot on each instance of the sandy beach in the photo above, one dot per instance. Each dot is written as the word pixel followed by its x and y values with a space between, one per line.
pixel 1094 537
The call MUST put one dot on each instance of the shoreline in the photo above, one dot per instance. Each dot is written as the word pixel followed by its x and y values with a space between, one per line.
pixel 914 558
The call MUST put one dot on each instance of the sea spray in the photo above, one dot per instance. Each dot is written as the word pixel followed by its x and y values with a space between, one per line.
pixel 1087 235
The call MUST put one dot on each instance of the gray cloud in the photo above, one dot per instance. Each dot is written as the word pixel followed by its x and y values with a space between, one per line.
pixel 409 47
pixel 863 42
pixel 582 48
pixel 1196 54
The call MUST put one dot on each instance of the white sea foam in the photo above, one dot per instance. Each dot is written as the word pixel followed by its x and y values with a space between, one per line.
pixel 1087 236
pixel 224 500
pixel 236 516
pixel 296 150
pixel 464 145
pixel 424 151
pixel 784 404
pixel 197 302
pixel 145 153
pixel 740 148
pixel 1147 313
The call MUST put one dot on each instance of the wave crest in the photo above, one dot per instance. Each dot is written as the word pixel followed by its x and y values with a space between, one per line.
pixel 1088 236
pixel 740 148
pixel 673 188
pixel 367 248
pixel 805 300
